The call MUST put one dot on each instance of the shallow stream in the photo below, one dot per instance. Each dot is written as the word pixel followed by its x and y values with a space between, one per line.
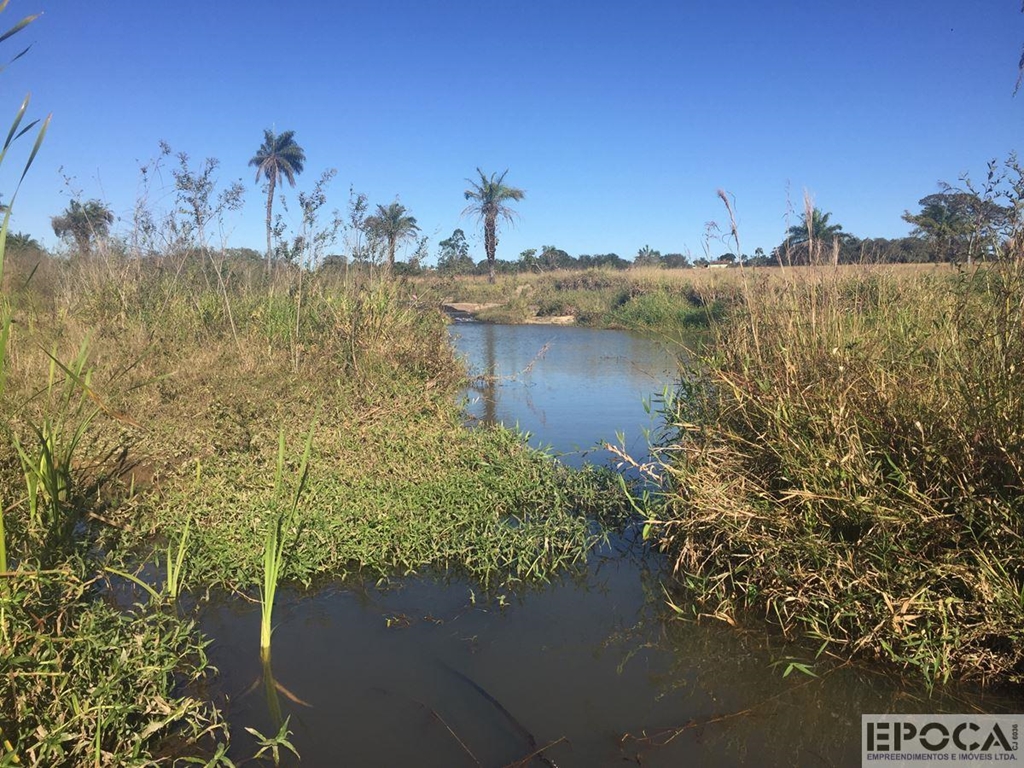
pixel 428 671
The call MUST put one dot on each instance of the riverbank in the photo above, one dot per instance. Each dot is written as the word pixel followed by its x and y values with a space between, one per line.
pixel 848 462
pixel 662 301
pixel 156 414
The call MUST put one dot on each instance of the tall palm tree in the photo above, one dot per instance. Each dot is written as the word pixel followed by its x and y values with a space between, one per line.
pixel 279 157
pixel 392 225
pixel 490 199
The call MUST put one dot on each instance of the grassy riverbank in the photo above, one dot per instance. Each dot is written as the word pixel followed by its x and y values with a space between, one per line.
pixel 848 462
pixel 663 301
pixel 144 401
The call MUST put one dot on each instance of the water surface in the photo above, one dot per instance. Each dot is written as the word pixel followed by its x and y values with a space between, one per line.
pixel 433 671
pixel 570 388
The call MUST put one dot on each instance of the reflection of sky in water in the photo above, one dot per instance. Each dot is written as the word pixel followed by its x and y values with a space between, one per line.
pixel 570 388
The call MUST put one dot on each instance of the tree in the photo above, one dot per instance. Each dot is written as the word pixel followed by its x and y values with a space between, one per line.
pixel 195 194
pixel 278 157
pixel 317 236
pixel 83 223
pixel 555 258
pixel 804 240
pixel 23 241
pixel 817 229
pixel 490 199
pixel 647 257
pixel 453 255
pixel 956 223
pixel 392 226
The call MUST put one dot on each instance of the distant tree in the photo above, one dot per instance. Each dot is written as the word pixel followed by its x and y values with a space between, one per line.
pixel 195 195
pixel 647 257
pixel 957 223
pixel 317 236
pixel 279 157
pixel 453 255
pixel 676 261
pixel 608 260
pixel 555 258
pixel 491 198
pixel 817 231
pixel 817 228
pixel 528 259
pixel 22 241
pixel 392 225
pixel 760 259
pixel 420 254
pixel 83 223
pixel 355 239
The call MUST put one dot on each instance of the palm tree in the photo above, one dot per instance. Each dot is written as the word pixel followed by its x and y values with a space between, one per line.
pixel 490 199
pixel 23 241
pixel 392 225
pixel 278 157
pixel 83 222
pixel 819 229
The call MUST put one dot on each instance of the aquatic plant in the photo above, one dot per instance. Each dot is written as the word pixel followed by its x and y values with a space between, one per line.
pixel 282 520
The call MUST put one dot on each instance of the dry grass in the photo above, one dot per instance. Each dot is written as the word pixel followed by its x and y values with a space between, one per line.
pixel 849 460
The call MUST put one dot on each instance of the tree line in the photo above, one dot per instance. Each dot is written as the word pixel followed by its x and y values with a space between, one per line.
pixel 954 224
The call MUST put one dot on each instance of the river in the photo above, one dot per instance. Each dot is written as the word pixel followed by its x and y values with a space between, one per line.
pixel 430 672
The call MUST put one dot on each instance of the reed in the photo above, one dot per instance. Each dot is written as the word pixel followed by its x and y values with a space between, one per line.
pixel 175 563
pixel 848 460
pixel 282 519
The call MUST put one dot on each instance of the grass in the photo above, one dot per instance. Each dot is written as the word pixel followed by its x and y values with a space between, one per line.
pixel 848 461
pixel 85 682
pixel 163 448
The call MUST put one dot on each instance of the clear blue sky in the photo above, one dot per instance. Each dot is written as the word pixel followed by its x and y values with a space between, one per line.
pixel 619 119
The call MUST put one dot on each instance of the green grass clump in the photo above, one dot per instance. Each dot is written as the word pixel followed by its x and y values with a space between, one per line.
pixel 396 495
pixel 849 460
pixel 83 682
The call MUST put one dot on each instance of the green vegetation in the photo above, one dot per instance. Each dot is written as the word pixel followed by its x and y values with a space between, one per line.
pixel 847 461
pixel 650 300
pixel 159 443
pixel 83 224
pixel 392 225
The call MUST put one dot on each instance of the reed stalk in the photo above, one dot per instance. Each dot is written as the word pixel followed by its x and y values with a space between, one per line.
pixel 176 564
pixel 282 521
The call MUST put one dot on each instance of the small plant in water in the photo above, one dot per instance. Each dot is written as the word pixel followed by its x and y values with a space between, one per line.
pixel 274 546
pixel 273 744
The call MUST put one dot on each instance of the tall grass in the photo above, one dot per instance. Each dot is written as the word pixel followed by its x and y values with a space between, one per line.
pixel 848 459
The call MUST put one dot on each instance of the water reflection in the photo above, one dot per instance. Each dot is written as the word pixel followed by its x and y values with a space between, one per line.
pixel 571 388
pixel 431 672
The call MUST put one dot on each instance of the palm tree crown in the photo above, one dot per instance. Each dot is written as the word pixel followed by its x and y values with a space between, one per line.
pixel 393 226
pixel 817 229
pixel 490 199
pixel 83 222
pixel 279 157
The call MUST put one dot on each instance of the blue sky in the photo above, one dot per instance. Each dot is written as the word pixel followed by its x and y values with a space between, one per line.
pixel 619 120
